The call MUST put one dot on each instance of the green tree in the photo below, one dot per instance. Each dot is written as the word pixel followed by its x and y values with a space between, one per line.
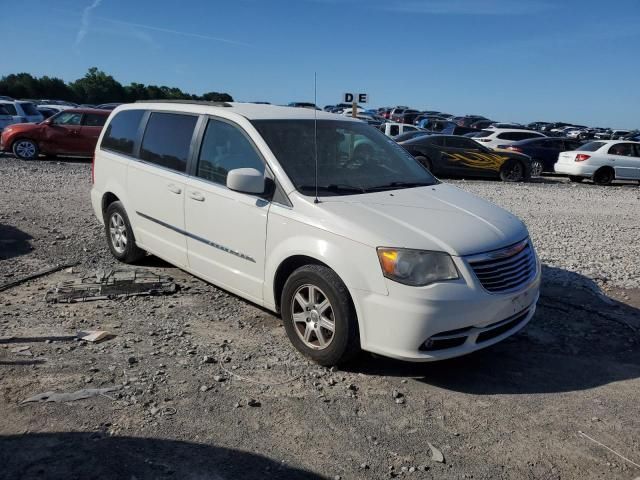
pixel 98 87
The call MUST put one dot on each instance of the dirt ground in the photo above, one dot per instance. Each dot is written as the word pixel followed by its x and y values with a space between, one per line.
pixel 207 386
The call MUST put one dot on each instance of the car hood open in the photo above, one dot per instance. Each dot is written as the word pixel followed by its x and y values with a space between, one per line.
pixel 439 217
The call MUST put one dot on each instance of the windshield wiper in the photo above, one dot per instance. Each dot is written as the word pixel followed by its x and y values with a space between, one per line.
pixel 334 188
pixel 395 185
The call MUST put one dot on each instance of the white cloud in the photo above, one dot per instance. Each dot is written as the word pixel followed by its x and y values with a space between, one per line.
pixel 85 21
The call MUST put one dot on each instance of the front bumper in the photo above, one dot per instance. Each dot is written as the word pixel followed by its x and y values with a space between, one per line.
pixel 456 317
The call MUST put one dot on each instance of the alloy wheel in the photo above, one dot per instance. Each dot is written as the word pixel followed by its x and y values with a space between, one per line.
pixel 25 149
pixel 118 233
pixel 536 168
pixel 313 317
pixel 514 172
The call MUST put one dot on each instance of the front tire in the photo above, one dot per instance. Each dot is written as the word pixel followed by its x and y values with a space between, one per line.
pixel 25 149
pixel 512 171
pixel 318 315
pixel 120 234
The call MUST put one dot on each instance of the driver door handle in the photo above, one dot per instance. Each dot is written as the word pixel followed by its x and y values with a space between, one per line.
pixel 174 189
pixel 197 196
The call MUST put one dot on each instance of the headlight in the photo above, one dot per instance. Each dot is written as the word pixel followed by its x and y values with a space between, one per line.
pixel 416 267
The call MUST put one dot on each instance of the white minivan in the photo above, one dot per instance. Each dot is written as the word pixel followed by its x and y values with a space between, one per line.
pixel 318 217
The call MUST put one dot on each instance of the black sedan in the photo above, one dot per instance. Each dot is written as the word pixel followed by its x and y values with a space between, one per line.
pixel 450 155
pixel 543 151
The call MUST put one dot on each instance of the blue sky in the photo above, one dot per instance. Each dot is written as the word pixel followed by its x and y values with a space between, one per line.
pixel 510 60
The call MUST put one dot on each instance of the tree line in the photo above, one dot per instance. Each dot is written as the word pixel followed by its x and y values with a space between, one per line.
pixel 94 88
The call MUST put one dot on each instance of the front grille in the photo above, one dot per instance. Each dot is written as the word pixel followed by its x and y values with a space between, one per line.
pixel 505 270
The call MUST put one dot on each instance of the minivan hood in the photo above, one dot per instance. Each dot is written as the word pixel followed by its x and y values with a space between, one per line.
pixel 439 217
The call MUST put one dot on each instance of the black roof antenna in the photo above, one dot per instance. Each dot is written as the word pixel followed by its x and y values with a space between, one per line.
pixel 315 129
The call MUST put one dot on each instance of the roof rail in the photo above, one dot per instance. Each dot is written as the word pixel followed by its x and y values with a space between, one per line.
pixel 194 102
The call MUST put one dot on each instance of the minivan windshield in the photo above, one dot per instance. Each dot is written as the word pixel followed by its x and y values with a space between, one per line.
pixel 353 157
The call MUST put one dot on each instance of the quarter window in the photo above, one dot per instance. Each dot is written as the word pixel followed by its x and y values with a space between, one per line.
pixel 225 148
pixel 167 140
pixel 122 132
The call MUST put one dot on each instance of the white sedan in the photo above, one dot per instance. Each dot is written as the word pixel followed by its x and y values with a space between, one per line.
pixel 602 161
pixel 504 136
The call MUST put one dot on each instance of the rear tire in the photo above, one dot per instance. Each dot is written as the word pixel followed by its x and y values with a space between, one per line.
pixel 512 171
pixel 119 233
pixel 25 149
pixel 315 301
pixel 575 179
pixel 604 176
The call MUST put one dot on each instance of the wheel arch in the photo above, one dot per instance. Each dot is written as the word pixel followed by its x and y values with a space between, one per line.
pixel 107 199
pixel 286 268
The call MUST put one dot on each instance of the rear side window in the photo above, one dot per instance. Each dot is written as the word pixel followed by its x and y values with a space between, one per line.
pixel 94 120
pixel 394 130
pixel 591 146
pixel 167 140
pixel 9 107
pixel 29 109
pixel 122 132
pixel 623 149
pixel 224 148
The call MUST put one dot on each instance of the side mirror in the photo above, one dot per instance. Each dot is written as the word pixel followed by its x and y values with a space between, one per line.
pixel 246 180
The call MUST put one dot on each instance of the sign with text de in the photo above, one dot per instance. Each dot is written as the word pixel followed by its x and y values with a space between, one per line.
pixel 359 98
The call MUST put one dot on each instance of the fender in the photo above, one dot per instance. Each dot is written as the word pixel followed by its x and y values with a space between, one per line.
pixel 287 238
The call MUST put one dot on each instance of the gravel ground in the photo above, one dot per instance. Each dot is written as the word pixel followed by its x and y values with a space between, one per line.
pixel 209 387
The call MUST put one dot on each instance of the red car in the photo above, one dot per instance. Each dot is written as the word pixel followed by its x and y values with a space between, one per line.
pixel 71 132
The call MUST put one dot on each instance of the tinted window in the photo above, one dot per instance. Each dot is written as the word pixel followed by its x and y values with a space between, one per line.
pixel 122 131
pixel 4 111
pixel 224 148
pixel 571 145
pixel 167 140
pixel 94 120
pixel 67 118
pixel 555 144
pixel 460 142
pixel 591 146
pixel 624 149
pixel 484 133
pixel 637 150
pixel 435 140
pixel 29 109
pixel 516 136
pixel 9 107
